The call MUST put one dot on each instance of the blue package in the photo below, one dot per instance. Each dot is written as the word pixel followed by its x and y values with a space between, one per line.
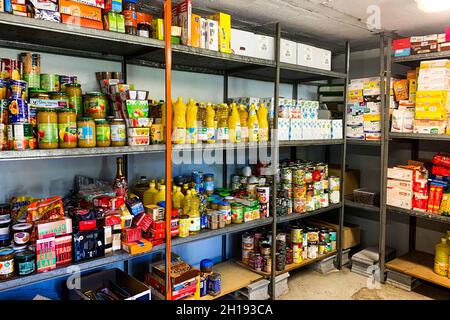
pixel 8 6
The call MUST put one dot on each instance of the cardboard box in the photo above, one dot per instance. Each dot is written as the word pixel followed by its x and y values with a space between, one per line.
pixel 265 47
pixel 63 250
pixel 402 121
pixel 110 22
pixel 400 184
pixel 158 29
pixel 185 21
pixel 288 51
pixel 441 63
pixel 212 35
pixel 321 59
pixel 425 44
pixel 351 232
pixel 81 22
pixel 352 178
pixel 70 7
pixel 224 33
pixel 137 289
pixel 400 44
pixel 95 3
pixel 88 244
pixel 305 55
pixel 400 174
pixel 399 198
pixel 204 25
pixel 430 126
pixel 54 228
pixel 113 6
pixel 137 247
pixel 45 254
pixel 196 32
pixel 243 43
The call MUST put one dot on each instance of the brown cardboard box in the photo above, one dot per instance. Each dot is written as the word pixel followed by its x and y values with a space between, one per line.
pixel 352 178
pixel 351 236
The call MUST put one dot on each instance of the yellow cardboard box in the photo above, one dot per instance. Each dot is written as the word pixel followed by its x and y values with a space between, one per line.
pixel 355 94
pixel 224 21
pixel 443 63
pixel 196 32
pixel 430 111
pixel 412 86
pixel 158 29
pixel 372 117
pixel 442 94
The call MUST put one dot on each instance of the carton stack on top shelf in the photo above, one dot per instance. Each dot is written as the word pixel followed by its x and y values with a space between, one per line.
pixel 422 44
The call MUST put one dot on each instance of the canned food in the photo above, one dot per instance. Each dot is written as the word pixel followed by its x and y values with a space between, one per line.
pixel 280 261
pixel 289 256
pixel 323 248
pixel 299 206
pixel 324 200
pixel 18 89
pixel 237 213
pixel 20 137
pixel 297 253
pixel 334 183
pixel 265 249
pixel 11 69
pixel 258 262
pixel 286 176
pixel 298 176
pixel 248 242
pixel 263 194
pixel 335 197
pixel 310 203
pixel 296 235
pixel 299 192
pixel 267 264
pixel 324 235
pixel 184 224
pixel 4 85
pixel 18 111
pixel 313 251
pixel 246 255
pixel 313 235
pixel 50 82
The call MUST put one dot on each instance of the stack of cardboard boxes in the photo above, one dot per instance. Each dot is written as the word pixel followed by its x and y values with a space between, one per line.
pixel 422 44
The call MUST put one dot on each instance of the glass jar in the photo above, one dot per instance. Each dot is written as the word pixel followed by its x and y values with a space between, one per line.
pixel 67 125
pixel 25 262
pixel 129 11
pixel 38 94
pixel 103 133
pixel 6 263
pixel 118 133
pixel 208 183
pixel 73 90
pixel 237 213
pixel 144 29
pixel 5 222
pixel 47 120
pixel 61 97
pixel 95 105
pixel 225 208
pixel 21 233
pixel 86 133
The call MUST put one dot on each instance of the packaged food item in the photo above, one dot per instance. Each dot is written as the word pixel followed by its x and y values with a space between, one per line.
pixel 263 123
pixel 73 90
pixel 118 133
pixel 86 132
pixel 50 82
pixel 21 137
pixel 129 11
pixel 95 105
pixel 137 108
pixel 46 209
pixel 211 124
pixel 191 122
pixel 103 133
pixel 179 122
pixel 253 125
pixel 61 97
pixel 48 133
pixel 67 125
pixel 18 89
pixel 25 262
pixel 18 111
pixel 401 90
pixel 6 263
pixel 21 233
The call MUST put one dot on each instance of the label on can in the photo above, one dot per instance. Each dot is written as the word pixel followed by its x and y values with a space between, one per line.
pixel 118 133
pixel 3 136
pixel 184 224
pixel 103 133
pixel 263 194
pixel 20 137
pixel 75 102
pixel 33 79
pixel 68 132
pixel 7 267
pixel 48 132
pixel 18 111
pixel 21 237
pixel 156 133
pixel 237 214
pixel 264 210
pixel 195 225
pixel 26 268
pixel 50 82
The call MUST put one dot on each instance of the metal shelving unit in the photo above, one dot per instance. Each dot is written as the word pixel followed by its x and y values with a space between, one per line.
pixel 414 263
pixel 35 35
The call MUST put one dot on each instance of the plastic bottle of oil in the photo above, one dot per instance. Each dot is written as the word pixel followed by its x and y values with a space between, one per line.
pixel 234 124
pixel 177 198
pixel 179 122
pixel 441 259
pixel 149 194
pixel 223 134
pixel 187 203
pixel 253 125
pixel 201 123
pixel 161 195
pixel 243 116
pixel 191 122
pixel 194 214
pixel 263 123
pixel 211 124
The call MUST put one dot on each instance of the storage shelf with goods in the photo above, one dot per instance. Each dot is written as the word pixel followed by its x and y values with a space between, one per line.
pixel 419 214
pixel 362 206
pixel 299 216
pixel 418 136
pixel 363 143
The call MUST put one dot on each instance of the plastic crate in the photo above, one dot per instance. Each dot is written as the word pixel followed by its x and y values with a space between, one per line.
pixel 366 196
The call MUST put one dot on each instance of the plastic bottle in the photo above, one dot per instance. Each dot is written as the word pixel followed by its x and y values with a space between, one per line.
pixel 253 125
pixel 194 213
pixel 223 134
pixel 149 194
pixel 187 203
pixel 179 122
pixel 263 123
pixel 191 122
pixel 210 124
pixel 441 258
pixel 177 198
pixel 243 115
pixel 185 189
pixel 161 195
pixel 234 124
pixel 201 123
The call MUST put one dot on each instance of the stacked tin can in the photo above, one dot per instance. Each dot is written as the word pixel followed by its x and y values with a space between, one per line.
pixel 256 251
pixel 285 192
pixel 335 190
pixel 296 240
pixel 299 183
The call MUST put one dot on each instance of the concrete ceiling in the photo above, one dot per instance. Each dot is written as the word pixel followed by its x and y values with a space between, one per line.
pixel 327 23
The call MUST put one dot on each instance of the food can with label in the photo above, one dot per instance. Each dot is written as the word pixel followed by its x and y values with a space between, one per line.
pixel 313 250
pixel 267 264
pixel 297 253
pixel 335 197
pixel 334 183
pixel 324 200
pixel 296 234
pixel 280 261
pixel 286 176
pixel 184 225
pixel 323 249
pixel 310 203
pixel 298 176
pixel 258 262
pixel 299 192
pixel 246 255
pixel 264 210
pixel 50 82
pixel 248 242
pixel 21 137
pixel 299 206
pixel 263 194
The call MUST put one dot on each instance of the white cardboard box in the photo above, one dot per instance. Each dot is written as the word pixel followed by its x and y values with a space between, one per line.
pixel 288 51
pixel 336 129
pixel 399 198
pixel 243 42
pixel 400 174
pixel 305 55
pixel 400 184
pixel 204 32
pixel 265 47
pixel 212 35
pixel 321 59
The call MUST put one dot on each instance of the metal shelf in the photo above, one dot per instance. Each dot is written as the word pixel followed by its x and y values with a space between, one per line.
pixel 302 143
pixel 415 59
pixel 305 215
pixel 418 214
pixel 416 136
pixel 350 203
pixel 364 143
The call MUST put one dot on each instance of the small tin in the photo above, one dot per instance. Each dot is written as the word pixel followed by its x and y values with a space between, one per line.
pixel 184 224
pixel 334 183
pixel 21 137
pixel 267 264
pixel 214 284
pixel 18 111
pixel 50 82
pixel 18 89
pixel 263 194
pixel 248 242
pixel 297 256
pixel 296 234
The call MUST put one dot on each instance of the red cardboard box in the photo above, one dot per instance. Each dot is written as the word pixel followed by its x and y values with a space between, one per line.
pixel 80 10
pixel 158 234
pixel 143 221
pixel 45 254
pixel 400 44
pixel 159 225
pixel 63 250
pixel 87 225
pixel 447 34
pixel 131 234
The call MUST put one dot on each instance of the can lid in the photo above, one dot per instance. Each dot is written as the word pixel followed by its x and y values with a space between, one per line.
pixel 5 220
pixel 206 263
pixel 19 248
pixel 95 93
pixel 27 254
pixel 22 226
pixel 67 110
pixel 100 121
pixel 6 251
pixel 85 119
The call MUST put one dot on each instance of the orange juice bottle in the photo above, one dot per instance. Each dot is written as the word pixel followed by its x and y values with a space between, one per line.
pixel 234 124
pixel 191 122
pixel 210 124
pixel 263 123
pixel 243 116
pixel 179 122
pixel 253 125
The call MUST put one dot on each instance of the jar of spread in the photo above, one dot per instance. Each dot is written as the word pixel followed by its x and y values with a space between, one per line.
pixel 18 249
pixel 47 120
pixel 225 209
pixel 237 213
pixel 129 11
pixel 208 183
pixel 118 133
pixel 103 133
pixel 95 105
pixel 21 233
pixel 4 231
pixel 73 90
pixel 6 263
pixel 86 133
pixel 38 94
pixel 25 262
pixel 61 97
pixel 67 126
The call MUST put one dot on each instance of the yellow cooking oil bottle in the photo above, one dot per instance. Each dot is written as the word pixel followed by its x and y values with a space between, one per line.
pixel 234 124
pixel 263 123
pixel 161 195
pixel 149 194
pixel 194 213
pixel 187 203
pixel 253 125
pixel 441 259
pixel 179 122
pixel 201 123
pixel 223 134
pixel 191 122
pixel 210 124
pixel 243 116
pixel 177 198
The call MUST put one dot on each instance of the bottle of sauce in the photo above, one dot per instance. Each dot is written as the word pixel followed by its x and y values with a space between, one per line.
pixel 120 181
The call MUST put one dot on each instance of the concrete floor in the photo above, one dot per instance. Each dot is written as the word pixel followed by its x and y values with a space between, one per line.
pixel 308 284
